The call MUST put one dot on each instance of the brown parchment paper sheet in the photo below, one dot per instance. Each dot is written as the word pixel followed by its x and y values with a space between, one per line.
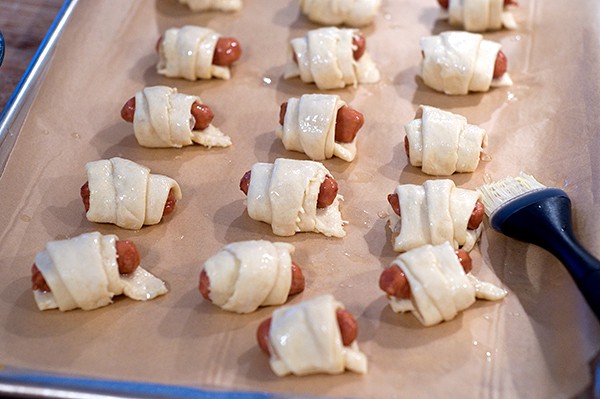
pixel 538 342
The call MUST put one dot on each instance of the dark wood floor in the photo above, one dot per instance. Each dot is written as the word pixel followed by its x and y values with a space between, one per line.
pixel 23 24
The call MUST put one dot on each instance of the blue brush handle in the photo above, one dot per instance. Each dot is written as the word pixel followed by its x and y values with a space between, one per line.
pixel 543 218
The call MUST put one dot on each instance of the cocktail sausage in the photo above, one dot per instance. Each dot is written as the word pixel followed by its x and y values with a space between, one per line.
pixel 393 281
pixel 346 322
pixel 327 192
pixel 202 113
pixel 128 259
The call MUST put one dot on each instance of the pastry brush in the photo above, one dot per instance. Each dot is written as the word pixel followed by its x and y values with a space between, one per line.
pixel 523 208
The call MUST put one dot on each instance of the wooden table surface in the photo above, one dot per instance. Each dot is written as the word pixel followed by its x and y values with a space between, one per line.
pixel 23 24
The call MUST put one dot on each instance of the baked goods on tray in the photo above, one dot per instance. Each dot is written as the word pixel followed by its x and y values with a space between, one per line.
pixel 479 15
pixel 434 283
pixel 164 118
pixel 87 271
pixel 245 275
pixel 294 196
pixel 332 58
pixel 354 13
pixel 315 336
pixel 194 52
pixel 442 143
pixel 434 213
pixel 457 63
pixel 125 193
pixel 320 125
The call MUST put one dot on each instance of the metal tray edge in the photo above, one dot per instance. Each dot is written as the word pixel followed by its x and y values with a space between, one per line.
pixel 29 384
pixel 13 115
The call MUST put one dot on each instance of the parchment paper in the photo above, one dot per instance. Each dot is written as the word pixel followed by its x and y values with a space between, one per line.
pixel 538 342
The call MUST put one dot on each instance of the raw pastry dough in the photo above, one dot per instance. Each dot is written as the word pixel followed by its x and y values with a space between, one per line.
pixel 459 62
pixel 309 127
pixel 337 12
pixel 306 339
pixel 188 53
pixel 480 15
pixel 220 5
pixel 285 194
pixel 324 56
pixel 433 213
pixel 163 118
pixel 438 284
pixel 126 193
pixel 248 274
pixel 82 272
pixel 442 143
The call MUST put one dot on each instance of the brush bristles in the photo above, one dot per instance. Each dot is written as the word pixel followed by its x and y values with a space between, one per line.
pixel 496 194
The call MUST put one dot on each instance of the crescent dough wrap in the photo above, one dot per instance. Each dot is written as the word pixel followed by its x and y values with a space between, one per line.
pixel 337 12
pixel 325 57
pixel 285 194
pixel 442 143
pixel 480 15
pixel 126 193
pixel 306 339
pixel 309 127
pixel 459 62
pixel 438 284
pixel 188 52
pixel 220 5
pixel 433 213
pixel 248 274
pixel 163 118
pixel 83 273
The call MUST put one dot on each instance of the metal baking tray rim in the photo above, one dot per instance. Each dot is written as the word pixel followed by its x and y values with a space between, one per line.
pixel 21 383
pixel 15 111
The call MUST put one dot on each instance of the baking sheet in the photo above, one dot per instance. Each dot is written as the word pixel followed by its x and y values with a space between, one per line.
pixel 538 342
